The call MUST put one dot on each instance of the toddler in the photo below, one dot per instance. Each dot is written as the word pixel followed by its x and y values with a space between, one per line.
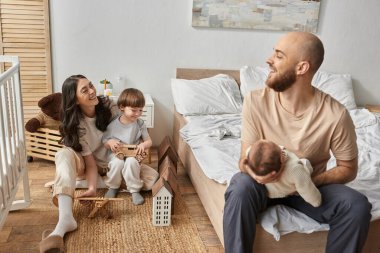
pixel 128 128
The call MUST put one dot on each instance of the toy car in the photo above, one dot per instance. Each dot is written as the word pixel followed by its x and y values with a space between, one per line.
pixel 130 151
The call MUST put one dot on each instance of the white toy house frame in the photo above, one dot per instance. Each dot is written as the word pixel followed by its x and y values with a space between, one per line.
pixel 162 203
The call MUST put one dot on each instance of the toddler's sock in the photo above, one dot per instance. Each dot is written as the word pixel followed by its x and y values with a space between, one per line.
pixel 111 193
pixel 137 199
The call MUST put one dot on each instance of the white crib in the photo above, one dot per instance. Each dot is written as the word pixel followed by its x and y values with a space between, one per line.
pixel 12 140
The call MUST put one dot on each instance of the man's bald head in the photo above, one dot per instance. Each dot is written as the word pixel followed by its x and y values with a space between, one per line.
pixel 308 47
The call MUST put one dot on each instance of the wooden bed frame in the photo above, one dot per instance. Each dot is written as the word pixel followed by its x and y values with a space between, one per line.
pixel 211 193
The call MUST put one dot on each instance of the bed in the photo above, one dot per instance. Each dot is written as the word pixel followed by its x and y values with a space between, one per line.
pixel 211 193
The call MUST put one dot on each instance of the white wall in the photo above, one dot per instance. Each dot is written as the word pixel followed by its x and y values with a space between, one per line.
pixel 144 41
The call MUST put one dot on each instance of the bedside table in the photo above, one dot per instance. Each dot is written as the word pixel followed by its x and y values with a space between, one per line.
pixel 147 115
pixel 148 111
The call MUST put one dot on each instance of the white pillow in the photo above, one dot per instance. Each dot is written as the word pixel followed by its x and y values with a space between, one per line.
pixel 214 95
pixel 252 78
pixel 339 86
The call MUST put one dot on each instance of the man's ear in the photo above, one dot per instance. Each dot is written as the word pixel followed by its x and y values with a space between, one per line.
pixel 302 67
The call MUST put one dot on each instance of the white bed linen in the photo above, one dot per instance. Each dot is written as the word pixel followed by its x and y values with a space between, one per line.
pixel 216 156
pixel 215 142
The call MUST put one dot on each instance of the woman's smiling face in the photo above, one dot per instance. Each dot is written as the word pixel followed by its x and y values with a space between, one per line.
pixel 86 93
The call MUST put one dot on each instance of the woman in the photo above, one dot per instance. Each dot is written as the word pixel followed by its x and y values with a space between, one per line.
pixel 84 119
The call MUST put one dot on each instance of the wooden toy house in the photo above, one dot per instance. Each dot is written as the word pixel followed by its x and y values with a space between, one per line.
pixel 162 203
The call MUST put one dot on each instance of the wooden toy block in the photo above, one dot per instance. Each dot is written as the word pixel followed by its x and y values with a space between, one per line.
pixel 166 148
pixel 168 172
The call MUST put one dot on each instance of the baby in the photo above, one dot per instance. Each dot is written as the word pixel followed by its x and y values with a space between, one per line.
pixel 264 156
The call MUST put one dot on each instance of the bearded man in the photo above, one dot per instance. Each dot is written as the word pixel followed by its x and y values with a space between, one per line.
pixel 296 115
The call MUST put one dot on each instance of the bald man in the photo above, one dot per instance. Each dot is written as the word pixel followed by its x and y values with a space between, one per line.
pixel 310 123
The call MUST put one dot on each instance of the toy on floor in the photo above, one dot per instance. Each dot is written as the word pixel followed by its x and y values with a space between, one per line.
pixel 162 203
pixel 163 191
pixel 99 203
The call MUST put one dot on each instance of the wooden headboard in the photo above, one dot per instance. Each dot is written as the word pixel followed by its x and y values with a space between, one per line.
pixel 193 74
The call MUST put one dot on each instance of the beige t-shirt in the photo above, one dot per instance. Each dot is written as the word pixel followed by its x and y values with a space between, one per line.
pixel 325 125
pixel 91 141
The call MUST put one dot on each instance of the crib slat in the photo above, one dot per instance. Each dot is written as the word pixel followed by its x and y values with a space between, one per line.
pixel 12 141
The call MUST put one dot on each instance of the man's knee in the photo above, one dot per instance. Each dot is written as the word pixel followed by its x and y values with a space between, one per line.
pixel 242 187
pixel 360 207
pixel 357 205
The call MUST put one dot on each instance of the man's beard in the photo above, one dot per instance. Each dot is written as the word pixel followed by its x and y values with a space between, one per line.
pixel 282 82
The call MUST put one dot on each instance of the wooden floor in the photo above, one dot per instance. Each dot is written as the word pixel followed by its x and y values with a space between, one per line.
pixel 22 229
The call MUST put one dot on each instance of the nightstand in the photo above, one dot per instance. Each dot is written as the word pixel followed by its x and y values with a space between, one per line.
pixel 148 111
pixel 148 117
pixel 373 108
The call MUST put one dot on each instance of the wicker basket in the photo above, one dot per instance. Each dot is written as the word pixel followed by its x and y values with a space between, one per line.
pixel 42 144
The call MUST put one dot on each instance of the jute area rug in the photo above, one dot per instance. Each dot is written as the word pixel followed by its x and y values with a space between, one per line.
pixel 121 226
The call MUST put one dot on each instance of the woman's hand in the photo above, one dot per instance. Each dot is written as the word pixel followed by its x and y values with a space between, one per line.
pixel 88 193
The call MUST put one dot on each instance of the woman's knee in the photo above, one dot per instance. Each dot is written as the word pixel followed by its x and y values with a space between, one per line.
pixel 65 162
pixel 64 153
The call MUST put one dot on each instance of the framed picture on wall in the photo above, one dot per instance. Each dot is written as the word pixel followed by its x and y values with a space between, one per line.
pixel 281 15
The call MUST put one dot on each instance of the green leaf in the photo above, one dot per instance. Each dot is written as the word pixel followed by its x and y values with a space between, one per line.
pixel 102 81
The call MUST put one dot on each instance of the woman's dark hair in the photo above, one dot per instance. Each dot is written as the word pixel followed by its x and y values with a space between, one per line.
pixel 71 114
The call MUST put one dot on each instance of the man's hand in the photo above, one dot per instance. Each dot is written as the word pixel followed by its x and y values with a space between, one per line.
pixel 270 178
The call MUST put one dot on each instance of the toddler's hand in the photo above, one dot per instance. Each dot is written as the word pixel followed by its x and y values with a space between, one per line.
pixel 114 145
pixel 140 148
